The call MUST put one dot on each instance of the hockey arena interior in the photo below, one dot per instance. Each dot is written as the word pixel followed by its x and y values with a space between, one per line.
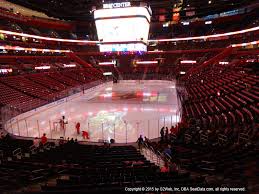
pixel 134 96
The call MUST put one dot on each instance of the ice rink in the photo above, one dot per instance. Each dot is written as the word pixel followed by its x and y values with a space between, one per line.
pixel 120 111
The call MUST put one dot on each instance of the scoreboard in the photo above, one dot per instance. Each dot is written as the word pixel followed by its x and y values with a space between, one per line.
pixel 121 27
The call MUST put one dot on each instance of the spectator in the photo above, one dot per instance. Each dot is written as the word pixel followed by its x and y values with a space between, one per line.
pixel 36 142
pixel 168 150
pixel 44 139
pixel 72 141
pixel 162 133
pixel 172 130
pixel 140 141
pixel 112 141
pixel 165 168
pixel 173 167
pixel 147 141
pixel 166 134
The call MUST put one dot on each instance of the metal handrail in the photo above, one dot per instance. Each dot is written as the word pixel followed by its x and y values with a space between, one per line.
pixel 145 144
pixel 168 157
pixel 159 156
pixel 47 146
pixel 17 152
pixel 33 149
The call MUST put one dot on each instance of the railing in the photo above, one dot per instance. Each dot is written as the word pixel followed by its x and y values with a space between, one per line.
pixel 151 155
pixel 17 153
pixel 156 156
pixel 99 129
pixel 33 149
pixel 13 108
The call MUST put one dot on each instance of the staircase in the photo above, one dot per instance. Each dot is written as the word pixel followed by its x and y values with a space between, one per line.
pixel 151 156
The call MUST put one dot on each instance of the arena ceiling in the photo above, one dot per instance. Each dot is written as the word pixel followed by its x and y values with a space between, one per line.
pixel 80 9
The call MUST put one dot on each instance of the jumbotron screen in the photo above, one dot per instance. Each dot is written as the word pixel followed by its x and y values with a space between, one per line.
pixel 123 29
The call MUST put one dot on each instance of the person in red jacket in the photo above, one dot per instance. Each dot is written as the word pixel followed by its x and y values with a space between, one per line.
pixel 44 139
pixel 172 130
pixel 78 128
pixel 165 168
pixel 85 135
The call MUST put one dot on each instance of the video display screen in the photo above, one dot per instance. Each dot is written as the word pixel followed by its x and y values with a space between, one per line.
pixel 118 28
